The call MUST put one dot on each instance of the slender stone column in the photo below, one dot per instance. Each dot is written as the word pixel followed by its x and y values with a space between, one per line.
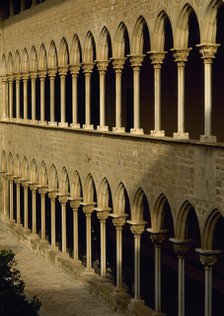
pixel 119 221
pixel 17 78
pixel 11 204
pixel 136 63
pixel 88 208
pixel 25 77
pixel 63 200
pixel 181 247
pixel 33 188
pixel 158 237
pixel 180 56
pixel 18 216
pixel 118 64
pixel 102 68
pixel 157 60
pixel 4 107
pixel 33 76
pixel 5 195
pixel 208 52
pixel 43 190
pixel 87 69
pixel 52 74
pixel 208 258
pixel 75 71
pixel 25 185
pixel 10 81
pixel 42 75
pixel 137 229
pixel 53 195
pixel 62 72
pixel 102 215
pixel 75 203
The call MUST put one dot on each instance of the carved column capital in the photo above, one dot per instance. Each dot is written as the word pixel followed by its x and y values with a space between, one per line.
pixel 208 51
pixel 10 78
pixel 88 207
pixel 157 58
pixel 52 72
pixel 102 214
pixel 62 70
pixel 4 79
pixel 33 186
pixel 208 257
pixel 42 190
pixel 180 54
pixel 158 237
pixel 52 194
pixel 25 76
pixel 75 203
pixel 42 73
pixel 137 227
pixel 17 181
pixel 63 199
pixel 74 69
pixel 118 63
pixel 136 61
pixel 119 220
pixel 18 77
pixel 102 65
pixel 181 247
pixel 33 75
pixel 87 68
pixel 25 183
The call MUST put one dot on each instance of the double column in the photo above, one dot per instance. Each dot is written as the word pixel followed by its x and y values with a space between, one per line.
pixel 119 221
pixel 157 61
pixel 87 69
pixel 208 52
pixel 63 72
pixel 53 195
pixel 75 204
pixel 180 56
pixel 102 68
pixel 136 63
pixel 42 75
pixel 118 64
pixel 75 71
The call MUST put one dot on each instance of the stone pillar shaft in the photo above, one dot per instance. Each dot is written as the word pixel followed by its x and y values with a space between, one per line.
pixel 102 68
pixel 52 195
pixel 25 95
pixel 4 108
pixel 34 208
pixel 10 98
pixel 62 73
pixel 88 208
pixel 18 217
pixel 42 76
pixel 63 200
pixel 11 206
pixel 75 71
pixel 18 97
pixel 52 74
pixel 87 69
pixel 33 96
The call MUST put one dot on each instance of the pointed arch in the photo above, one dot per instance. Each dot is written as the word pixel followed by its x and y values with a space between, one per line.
pixel 76 186
pixel 138 39
pixel 17 63
pixel 33 172
pixel 75 52
pixel 3 65
pixel 53 179
pixel 10 166
pixel 52 56
pixel 3 162
pixel 10 64
pixel 121 41
pixel 104 45
pixel 25 61
pixel 209 229
pixel 25 169
pixel 104 197
pixel 121 200
pixel 182 28
pixel 158 35
pixel 137 211
pixel 89 190
pixel 17 166
pixel 43 178
pixel 161 210
pixel 64 186
pixel 210 27
pixel 42 58
pixel 63 55
pixel 33 59
pixel 89 49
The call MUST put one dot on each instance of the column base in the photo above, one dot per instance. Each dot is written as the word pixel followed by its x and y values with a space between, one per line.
pixel 18 225
pixel 179 135
pixel 118 129
pixel 34 236
pixel 52 123
pixel 77 262
pixel 43 241
pixel 137 131
pixel 27 231
pixel 208 139
pixel 63 124
pixel 89 271
pixel 75 125
pixel 102 128
pixel 54 248
pixel 157 133
pixel 42 122
pixel 34 121
pixel 88 126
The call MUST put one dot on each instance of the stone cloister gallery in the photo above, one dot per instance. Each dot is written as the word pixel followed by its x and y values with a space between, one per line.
pixel 112 151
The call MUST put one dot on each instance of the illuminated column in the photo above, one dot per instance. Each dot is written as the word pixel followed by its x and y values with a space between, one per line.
pixel 42 75
pixel 33 76
pixel 118 64
pixel 158 237
pixel 10 81
pixel 4 107
pixel 157 60
pixel 52 74
pixel 119 221
pixel 75 71
pixel 25 77
pixel 53 195
pixel 181 247
pixel 75 204
pixel 63 200
pixel 102 215
pixel 136 63
pixel 180 56
pixel 25 185
pixel 208 52
pixel 88 208
pixel 17 78
pixel 137 229
pixel 62 72
pixel 33 188
pixel 11 204
pixel 102 68
pixel 87 69
pixel 43 190
pixel 18 215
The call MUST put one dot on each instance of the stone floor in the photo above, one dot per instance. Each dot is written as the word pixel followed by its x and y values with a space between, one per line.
pixel 59 295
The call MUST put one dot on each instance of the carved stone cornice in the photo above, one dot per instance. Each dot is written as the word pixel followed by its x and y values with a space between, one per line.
pixel 208 257
pixel 180 54
pixel 103 214
pixel 102 65
pixel 25 76
pixel 137 227
pixel 42 73
pixel 62 71
pixel 208 51
pixel 181 247
pixel 119 220
pixel 88 207
pixel 157 58
pixel 87 68
pixel 158 237
pixel 136 61
pixel 118 63
pixel 52 72
pixel 74 69
pixel 75 203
